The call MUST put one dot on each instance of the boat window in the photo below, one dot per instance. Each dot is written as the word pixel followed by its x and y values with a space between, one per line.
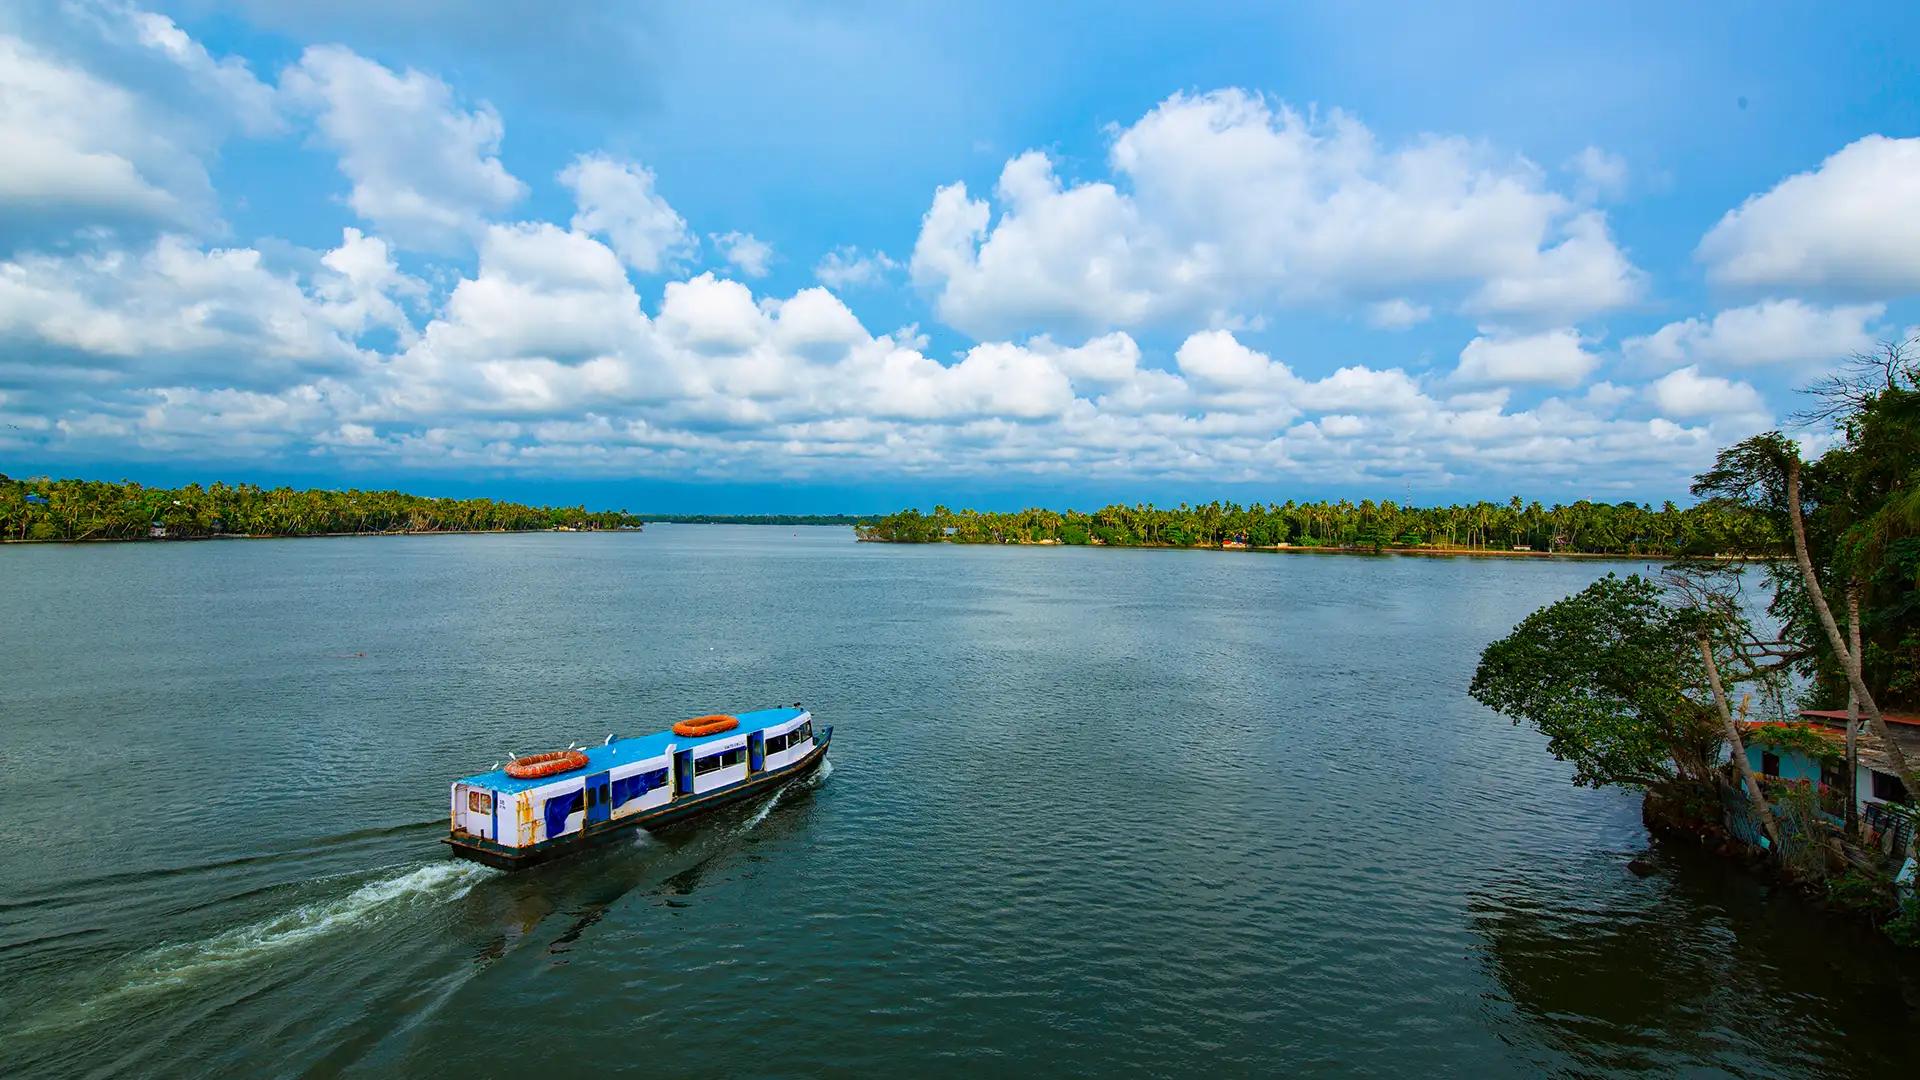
pixel 480 802
pixel 628 788
pixel 723 760
pixel 776 743
pixel 559 808
pixel 802 733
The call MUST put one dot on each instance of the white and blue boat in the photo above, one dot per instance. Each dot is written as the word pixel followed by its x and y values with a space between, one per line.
pixel 548 805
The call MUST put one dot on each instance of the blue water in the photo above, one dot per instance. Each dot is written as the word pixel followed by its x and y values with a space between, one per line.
pixel 1089 812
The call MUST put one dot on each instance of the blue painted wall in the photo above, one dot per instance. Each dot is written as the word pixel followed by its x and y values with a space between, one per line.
pixel 1793 764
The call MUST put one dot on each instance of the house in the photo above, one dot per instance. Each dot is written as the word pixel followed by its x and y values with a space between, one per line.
pixel 1878 782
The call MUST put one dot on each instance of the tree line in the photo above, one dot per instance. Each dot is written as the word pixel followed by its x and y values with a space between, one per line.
pixel 760 519
pixel 1623 528
pixel 43 509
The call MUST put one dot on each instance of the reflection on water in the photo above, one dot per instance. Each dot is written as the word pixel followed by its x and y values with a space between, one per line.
pixel 1090 812
pixel 1690 968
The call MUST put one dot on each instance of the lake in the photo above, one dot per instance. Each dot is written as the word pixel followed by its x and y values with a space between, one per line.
pixel 1089 812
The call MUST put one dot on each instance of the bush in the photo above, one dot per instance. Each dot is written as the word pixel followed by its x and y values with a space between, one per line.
pixel 1904 928
pixel 1861 890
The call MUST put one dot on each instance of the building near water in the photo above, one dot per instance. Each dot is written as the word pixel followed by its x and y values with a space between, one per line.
pixel 1876 781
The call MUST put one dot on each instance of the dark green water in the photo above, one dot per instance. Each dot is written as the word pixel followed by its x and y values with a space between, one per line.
pixel 1089 813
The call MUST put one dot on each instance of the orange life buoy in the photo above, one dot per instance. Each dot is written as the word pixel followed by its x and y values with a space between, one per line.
pixel 535 766
pixel 706 725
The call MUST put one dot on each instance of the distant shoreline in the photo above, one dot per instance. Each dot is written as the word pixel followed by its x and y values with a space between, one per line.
pixel 298 536
pixel 1296 549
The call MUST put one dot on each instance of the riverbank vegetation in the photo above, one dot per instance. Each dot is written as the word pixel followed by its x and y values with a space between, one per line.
pixel 1592 528
pixel 43 509
pixel 760 519
pixel 1632 680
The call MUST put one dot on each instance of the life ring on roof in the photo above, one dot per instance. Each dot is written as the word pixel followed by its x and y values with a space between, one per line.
pixel 706 725
pixel 535 766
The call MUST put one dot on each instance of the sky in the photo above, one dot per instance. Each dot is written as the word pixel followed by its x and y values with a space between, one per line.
pixel 753 258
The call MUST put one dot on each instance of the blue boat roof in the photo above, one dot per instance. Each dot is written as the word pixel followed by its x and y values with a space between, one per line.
pixel 636 748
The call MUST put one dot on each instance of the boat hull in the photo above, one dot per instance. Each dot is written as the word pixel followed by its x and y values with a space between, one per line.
pixel 502 857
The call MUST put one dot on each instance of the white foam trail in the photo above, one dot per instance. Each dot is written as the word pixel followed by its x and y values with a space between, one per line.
pixel 760 815
pixel 440 882
pixel 183 963
pixel 765 808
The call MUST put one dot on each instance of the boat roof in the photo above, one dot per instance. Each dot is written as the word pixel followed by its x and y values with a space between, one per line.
pixel 635 748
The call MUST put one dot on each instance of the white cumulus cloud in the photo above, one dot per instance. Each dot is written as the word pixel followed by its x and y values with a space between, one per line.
pixel 112 121
pixel 1551 358
pixel 1221 203
pixel 426 171
pixel 1852 224
pixel 177 342
pixel 1687 393
pixel 617 200
pixel 848 267
pixel 745 252
pixel 1397 313
pixel 1773 332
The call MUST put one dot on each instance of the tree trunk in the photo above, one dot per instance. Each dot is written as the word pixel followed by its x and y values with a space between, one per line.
pixel 1853 711
pixel 1760 808
pixel 1847 659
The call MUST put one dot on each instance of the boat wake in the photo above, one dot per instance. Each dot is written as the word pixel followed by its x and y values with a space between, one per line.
pixel 375 901
pixel 180 965
pixel 760 812
pixel 810 781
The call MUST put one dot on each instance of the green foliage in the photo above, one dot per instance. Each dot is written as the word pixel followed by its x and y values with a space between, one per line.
pixel 759 519
pixel 1861 889
pixel 1605 674
pixel 96 510
pixel 1585 527
pixel 1904 928
pixel 1861 504
pixel 1798 740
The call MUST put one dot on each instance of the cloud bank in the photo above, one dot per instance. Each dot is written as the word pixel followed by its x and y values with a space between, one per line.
pixel 1108 326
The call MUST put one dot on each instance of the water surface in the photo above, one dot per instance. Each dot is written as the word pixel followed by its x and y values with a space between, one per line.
pixel 1090 812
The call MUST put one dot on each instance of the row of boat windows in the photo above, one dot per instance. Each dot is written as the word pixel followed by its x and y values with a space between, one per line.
pixel 801 734
pixel 726 759
pixel 628 788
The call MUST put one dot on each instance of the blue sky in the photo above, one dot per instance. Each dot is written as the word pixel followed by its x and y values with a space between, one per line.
pixel 687 257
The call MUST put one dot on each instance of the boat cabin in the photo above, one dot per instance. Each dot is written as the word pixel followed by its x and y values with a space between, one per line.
pixel 498 818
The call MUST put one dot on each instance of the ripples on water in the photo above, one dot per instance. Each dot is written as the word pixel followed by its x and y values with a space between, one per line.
pixel 1089 812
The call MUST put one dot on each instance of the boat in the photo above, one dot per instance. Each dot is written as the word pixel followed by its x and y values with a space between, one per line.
pixel 543 806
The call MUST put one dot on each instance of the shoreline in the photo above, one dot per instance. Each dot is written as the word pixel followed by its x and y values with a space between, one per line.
pixel 1285 549
pixel 301 536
